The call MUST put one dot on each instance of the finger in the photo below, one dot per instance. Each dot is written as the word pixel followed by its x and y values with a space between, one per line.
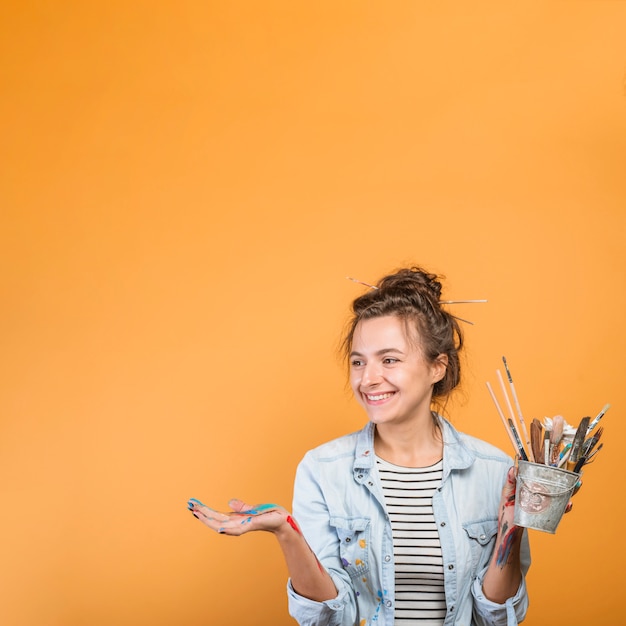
pixel 201 511
pixel 508 491
pixel 193 502
pixel 239 506
pixel 577 486
pixel 224 523
pixel 569 507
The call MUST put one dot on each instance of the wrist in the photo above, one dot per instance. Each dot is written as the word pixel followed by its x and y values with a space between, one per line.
pixel 288 529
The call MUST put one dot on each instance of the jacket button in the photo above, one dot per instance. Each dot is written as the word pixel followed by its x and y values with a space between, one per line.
pixel 388 603
pixel 360 476
pixel 483 537
pixel 371 484
pixel 387 558
pixel 442 524
pixel 450 566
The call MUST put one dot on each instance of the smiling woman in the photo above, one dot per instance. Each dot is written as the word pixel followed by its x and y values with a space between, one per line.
pixel 407 519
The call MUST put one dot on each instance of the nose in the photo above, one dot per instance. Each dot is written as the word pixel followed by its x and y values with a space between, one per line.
pixel 371 374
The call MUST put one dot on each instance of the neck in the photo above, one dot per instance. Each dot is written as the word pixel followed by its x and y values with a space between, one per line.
pixel 409 445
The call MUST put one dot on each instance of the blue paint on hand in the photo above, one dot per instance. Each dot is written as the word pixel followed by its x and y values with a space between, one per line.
pixel 261 508
pixel 193 501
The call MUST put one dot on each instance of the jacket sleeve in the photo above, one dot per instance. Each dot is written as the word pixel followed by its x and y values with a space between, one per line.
pixel 311 512
pixel 513 611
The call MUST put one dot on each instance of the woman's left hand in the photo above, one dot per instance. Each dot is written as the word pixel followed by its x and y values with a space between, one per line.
pixel 242 518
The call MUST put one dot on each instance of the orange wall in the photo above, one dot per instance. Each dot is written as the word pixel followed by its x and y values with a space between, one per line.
pixel 184 187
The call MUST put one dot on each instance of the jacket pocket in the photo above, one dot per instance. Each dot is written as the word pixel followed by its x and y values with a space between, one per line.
pixel 354 538
pixel 481 535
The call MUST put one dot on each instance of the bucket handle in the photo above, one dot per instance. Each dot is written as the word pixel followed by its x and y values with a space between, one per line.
pixel 552 495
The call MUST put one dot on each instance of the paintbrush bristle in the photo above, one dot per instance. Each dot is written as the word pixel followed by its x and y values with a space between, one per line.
pixel 556 434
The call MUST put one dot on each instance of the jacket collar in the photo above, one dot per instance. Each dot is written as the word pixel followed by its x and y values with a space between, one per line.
pixel 456 455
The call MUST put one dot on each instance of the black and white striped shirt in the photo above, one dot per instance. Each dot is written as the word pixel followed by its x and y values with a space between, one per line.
pixel 408 491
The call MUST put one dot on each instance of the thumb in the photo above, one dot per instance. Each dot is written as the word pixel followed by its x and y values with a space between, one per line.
pixel 239 506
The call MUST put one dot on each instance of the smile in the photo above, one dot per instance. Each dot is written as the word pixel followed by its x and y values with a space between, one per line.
pixel 379 397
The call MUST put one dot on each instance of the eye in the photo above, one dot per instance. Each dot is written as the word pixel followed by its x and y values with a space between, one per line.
pixel 389 360
pixel 356 363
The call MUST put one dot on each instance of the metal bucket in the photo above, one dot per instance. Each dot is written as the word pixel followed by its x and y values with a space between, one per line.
pixel 542 495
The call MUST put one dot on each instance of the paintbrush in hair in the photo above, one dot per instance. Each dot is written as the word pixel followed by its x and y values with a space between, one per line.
pixel 577 444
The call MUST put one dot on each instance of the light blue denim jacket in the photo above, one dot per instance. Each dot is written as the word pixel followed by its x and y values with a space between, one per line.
pixel 338 502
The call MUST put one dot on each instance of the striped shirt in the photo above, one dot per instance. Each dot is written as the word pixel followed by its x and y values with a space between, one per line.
pixel 408 492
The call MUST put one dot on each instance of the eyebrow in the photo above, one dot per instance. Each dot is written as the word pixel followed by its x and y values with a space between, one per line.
pixel 381 352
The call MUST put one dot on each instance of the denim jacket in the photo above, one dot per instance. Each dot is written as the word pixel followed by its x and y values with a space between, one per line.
pixel 338 503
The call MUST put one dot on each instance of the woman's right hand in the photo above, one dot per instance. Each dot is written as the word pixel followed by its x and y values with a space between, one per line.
pixel 242 518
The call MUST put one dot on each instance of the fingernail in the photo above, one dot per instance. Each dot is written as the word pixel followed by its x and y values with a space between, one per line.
pixel 193 501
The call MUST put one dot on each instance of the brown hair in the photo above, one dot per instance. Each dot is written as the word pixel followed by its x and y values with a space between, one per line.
pixel 412 294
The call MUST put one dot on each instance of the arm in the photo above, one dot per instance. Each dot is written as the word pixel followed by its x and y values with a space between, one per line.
pixel 504 573
pixel 318 595
pixel 308 578
pixel 311 509
pixel 500 595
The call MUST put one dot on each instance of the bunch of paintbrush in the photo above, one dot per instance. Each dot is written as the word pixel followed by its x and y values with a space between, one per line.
pixel 556 444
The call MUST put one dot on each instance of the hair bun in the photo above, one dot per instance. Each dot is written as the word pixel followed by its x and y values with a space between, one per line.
pixel 411 280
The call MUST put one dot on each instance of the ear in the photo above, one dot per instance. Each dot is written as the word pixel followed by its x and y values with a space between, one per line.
pixel 439 367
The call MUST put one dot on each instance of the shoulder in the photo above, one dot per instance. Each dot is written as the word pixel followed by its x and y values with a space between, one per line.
pixel 483 449
pixel 477 448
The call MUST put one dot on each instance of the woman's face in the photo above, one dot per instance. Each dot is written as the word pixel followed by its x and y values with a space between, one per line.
pixel 389 376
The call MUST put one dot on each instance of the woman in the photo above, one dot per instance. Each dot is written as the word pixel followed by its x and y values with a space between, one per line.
pixel 406 521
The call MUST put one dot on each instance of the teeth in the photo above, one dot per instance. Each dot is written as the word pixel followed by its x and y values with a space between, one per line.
pixel 382 396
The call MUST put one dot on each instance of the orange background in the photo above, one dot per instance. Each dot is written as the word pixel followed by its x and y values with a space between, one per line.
pixel 184 187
